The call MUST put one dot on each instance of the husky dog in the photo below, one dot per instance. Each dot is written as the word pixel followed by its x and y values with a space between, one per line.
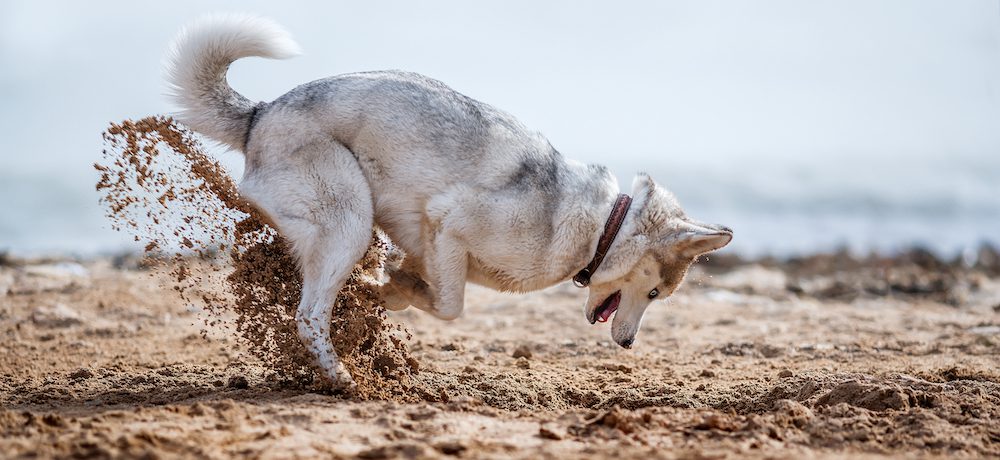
pixel 464 189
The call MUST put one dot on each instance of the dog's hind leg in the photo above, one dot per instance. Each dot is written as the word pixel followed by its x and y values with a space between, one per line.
pixel 321 202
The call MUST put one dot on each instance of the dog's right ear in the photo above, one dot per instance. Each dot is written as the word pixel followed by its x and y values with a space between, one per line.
pixel 643 187
pixel 653 208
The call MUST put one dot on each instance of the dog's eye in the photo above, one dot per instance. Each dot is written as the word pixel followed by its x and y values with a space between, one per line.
pixel 654 293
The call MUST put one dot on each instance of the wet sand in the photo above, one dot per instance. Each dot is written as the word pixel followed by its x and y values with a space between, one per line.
pixel 824 357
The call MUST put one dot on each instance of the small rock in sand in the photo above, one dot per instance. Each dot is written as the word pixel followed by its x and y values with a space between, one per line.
pixel 523 363
pixel 874 397
pixel 454 448
pixel 81 374
pixel 792 408
pixel 550 431
pixel 771 351
pixel 707 373
pixel 717 422
pixel 785 373
pixel 423 413
pixel 615 368
pixel 400 450
pixel 522 351
pixel 238 382
pixel 55 316
pixel 794 412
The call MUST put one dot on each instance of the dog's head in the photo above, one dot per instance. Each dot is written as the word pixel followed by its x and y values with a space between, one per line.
pixel 652 253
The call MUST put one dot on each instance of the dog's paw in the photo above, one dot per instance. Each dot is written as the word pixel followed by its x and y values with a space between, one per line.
pixel 340 382
pixel 394 257
pixel 392 297
pixel 396 306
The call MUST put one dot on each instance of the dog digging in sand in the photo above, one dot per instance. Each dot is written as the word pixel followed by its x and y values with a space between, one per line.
pixel 467 192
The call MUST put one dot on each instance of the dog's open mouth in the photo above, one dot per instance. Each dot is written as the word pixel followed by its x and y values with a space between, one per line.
pixel 608 307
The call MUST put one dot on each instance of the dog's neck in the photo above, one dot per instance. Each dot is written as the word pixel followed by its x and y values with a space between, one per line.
pixel 611 229
pixel 627 247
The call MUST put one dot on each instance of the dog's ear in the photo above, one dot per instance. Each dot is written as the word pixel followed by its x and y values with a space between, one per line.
pixel 643 187
pixel 693 239
pixel 654 209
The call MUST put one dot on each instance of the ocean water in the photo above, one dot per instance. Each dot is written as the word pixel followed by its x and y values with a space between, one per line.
pixel 773 207
pixel 804 126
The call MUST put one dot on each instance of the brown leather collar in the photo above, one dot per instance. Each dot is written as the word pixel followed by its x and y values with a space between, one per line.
pixel 611 228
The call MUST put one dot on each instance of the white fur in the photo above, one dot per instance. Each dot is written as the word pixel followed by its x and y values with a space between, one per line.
pixel 199 57
pixel 464 189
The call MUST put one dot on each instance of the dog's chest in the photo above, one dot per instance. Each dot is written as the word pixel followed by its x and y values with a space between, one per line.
pixel 525 279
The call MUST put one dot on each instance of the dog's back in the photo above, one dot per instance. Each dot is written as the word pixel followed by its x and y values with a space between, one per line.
pixel 399 124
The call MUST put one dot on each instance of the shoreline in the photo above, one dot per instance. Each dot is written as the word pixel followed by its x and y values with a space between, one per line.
pixel 980 254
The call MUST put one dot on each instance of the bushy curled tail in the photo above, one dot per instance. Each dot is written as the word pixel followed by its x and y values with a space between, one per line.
pixel 196 71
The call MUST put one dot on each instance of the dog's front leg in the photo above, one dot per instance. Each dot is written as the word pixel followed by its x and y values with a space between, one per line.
pixel 447 267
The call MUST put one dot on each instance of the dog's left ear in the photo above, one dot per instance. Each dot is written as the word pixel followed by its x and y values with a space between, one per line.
pixel 693 240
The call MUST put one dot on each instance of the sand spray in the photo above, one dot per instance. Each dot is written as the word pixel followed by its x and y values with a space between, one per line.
pixel 157 184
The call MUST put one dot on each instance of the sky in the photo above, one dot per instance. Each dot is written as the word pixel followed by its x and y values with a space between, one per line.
pixel 788 104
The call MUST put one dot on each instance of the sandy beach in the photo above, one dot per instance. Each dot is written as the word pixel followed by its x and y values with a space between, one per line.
pixel 828 356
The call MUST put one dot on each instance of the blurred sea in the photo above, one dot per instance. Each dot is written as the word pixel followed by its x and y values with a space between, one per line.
pixel 775 207
pixel 862 205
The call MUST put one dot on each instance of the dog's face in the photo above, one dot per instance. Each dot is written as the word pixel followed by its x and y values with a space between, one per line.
pixel 667 243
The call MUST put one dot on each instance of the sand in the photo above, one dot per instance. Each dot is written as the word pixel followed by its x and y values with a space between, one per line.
pixel 103 358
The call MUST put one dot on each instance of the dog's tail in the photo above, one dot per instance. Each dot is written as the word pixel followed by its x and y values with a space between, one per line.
pixel 196 71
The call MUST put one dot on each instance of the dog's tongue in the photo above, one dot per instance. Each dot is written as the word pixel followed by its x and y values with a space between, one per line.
pixel 607 312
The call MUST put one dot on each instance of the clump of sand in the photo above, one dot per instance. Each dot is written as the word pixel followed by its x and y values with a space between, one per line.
pixel 158 184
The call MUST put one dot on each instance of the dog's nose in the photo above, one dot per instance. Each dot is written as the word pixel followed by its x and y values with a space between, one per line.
pixel 627 343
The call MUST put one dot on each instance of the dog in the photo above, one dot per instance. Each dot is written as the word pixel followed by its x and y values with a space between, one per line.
pixel 465 190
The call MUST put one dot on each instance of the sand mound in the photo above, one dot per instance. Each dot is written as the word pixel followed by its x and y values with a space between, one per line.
pixel 158 185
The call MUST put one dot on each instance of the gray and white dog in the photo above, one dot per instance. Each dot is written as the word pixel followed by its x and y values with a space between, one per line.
pixel 464 189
